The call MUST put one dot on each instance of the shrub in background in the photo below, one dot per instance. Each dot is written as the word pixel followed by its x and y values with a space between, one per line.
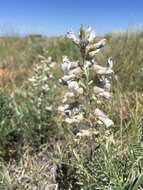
pixel 38 110
pixel 6 115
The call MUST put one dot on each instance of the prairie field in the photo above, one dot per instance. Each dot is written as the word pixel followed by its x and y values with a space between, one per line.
pixel 43 147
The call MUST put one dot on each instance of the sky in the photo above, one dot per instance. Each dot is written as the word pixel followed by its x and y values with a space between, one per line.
pixel 55 17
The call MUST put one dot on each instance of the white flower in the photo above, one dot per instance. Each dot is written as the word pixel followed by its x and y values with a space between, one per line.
pixel 63 108
pixel 79 117
pixel 74 64
pixel 71 120
pixel 39 99
pixel 84 132
pixel 103 117
pixel 88 63
pixel 93 53
pixel 32 79
pixel 77 72
pixel 100 92
pixel 90 34
pixel 93 50
pixel 52 64
pixel 49 108
pixel 45 78
pixel 101 43
pixel 66 78
pixel 68 98
pixel 49 59
pixel 74 119
pixel 80 91
pixel 107 84
pixel 91 37
pixel 69 95
pixel 47 69
pixel 46 88
pixel 38 68
pixel 102 70
pixel 73 37
pixel 88 30
pixel 110 63
pixel 41 57
pixel 76 110
pixel 50 76
pixel 73 86
pixel 66 65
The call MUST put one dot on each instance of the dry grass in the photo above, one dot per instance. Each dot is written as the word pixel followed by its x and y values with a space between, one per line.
pixel 35 168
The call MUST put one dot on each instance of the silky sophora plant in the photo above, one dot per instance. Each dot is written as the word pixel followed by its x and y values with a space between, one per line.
pixel 88 83
pixel 40 82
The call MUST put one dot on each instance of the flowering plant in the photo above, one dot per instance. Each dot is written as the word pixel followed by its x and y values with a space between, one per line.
pixel 88 83
pixel 38 112
pixel 40 82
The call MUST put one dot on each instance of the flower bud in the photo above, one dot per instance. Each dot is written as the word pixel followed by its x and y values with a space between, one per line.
pixel 73 86
pixel 102 70
pixel 100 92
pixel 103 117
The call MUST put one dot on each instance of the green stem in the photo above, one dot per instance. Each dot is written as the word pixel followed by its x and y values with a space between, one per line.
pixel 87 90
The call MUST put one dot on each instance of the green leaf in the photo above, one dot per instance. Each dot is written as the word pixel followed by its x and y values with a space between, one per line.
pixel 138 182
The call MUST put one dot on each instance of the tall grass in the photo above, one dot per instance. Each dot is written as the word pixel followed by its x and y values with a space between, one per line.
pixel 74 163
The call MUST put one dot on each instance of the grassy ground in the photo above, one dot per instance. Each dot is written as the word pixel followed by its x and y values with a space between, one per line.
pixel 40 154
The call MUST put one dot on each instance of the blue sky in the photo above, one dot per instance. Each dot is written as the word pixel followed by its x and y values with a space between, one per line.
pixel 55 17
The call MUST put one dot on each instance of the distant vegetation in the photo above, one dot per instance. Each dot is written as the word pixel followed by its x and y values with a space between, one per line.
pixel 37 150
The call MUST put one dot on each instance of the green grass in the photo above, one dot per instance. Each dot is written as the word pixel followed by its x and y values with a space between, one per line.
pixel 76 165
